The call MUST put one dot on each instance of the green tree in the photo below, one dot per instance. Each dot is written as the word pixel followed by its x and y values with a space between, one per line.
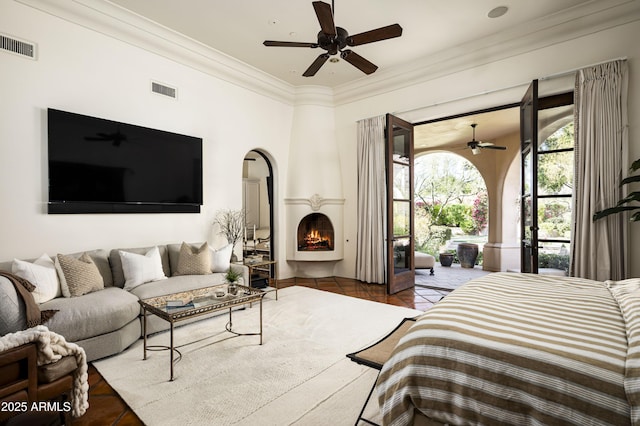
pixel 444 179
pixel 444 184
pixel 555 171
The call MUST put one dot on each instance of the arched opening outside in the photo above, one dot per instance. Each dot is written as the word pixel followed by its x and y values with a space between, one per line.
pixel 452 204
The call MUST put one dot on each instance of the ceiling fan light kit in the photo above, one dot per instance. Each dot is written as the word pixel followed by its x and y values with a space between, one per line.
pixel 475 145
pixel 335 40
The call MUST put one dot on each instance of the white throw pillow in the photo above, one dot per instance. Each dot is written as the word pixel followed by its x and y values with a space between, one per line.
pixel 221 258
pixel 42 274
pixel 139 269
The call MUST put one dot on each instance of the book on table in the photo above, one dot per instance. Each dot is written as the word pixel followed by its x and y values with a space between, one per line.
pixel 179 302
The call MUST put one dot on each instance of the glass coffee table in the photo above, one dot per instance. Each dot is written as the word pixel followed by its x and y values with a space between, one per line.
pixel 190 304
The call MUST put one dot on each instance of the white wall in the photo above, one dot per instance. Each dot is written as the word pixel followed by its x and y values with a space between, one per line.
pixel 437 98
pixel 83 71
pixel 87 72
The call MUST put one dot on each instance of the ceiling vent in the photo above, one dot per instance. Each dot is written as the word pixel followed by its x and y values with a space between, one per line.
pixel 163 89
pixel 18 47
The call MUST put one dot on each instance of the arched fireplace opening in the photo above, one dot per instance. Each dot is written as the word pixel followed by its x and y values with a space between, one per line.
pixel 315 233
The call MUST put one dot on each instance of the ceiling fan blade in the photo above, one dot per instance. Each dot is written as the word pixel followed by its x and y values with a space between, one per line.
pixel 493 147
pixel 384 33
pixel 358 61
pixel 316 65
pixel 325 17
pixel 289 44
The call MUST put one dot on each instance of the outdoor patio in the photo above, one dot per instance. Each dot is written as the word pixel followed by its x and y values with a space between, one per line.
pixel 447 278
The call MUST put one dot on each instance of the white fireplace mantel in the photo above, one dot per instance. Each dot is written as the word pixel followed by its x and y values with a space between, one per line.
pixel 315 201
pixel 297 209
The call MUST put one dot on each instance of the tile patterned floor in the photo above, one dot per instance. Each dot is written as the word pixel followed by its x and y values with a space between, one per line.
pixel 107 408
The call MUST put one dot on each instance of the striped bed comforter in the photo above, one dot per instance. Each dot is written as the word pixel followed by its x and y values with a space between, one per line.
pixel 519 349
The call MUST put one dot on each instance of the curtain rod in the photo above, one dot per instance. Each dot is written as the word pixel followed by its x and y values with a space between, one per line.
pixel 488 92
pixel 571 71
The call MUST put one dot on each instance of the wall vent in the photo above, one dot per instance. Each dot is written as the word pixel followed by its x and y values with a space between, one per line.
pixel 163 89
pixel 18 47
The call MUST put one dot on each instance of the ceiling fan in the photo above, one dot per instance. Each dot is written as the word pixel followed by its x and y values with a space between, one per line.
pixel 477 145
pixel 335 39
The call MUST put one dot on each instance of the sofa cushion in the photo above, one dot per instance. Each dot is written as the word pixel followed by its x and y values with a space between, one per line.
pixel 177 284
pixel 42 274
pixel 139 269
pixel 193 260
pixel 81 276
pixel 100 258
pixel 49 373
pixel 12 310
pixel 218 264
pixel 116 262
pixel 92 314
pixel 221 258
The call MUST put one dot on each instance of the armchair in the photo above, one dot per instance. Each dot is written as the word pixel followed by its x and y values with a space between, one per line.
pixel 23 383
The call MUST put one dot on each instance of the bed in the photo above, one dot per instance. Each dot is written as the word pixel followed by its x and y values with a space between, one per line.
pixel 520 349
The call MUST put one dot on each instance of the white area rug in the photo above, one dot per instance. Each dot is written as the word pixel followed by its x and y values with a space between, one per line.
pixel 299 376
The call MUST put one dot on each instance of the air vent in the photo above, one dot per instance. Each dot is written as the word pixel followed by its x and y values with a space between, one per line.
pixel 163 89
pixel 18 47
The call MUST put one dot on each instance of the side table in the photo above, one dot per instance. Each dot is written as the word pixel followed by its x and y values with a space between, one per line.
pixel 269 267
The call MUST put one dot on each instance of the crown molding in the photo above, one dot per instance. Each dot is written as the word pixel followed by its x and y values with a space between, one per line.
pixel 114 21
pixel 314 95
pixel 567 25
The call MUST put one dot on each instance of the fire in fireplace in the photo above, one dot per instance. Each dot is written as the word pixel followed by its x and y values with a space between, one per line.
pixel 315 233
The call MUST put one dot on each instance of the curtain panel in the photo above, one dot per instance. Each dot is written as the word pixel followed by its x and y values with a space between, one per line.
pixel 599 250
pixel 372 195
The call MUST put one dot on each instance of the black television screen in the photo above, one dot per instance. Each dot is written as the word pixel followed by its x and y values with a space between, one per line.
pixel 103 166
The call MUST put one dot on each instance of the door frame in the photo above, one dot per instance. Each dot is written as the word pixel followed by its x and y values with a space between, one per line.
pixel 398 280
pixel 529 196
pixel 530 107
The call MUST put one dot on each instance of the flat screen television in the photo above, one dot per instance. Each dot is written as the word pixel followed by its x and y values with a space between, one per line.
pixel 103 166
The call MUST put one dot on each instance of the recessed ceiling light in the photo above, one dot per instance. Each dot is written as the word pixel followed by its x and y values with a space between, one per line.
pixel 497 11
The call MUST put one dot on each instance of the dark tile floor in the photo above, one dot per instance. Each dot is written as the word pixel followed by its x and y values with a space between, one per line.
pixel 107 408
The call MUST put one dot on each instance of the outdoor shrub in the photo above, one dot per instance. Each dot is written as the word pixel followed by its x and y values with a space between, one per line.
pixel 438 235
pixel 554 261
pixel 480 212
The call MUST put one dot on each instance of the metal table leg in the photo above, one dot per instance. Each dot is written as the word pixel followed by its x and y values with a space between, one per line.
pixel 171 350
pixel 144 332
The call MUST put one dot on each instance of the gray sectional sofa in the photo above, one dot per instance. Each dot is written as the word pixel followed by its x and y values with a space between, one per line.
pixel 107 321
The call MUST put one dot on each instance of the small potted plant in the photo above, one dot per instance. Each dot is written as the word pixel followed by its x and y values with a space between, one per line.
pixel 232 277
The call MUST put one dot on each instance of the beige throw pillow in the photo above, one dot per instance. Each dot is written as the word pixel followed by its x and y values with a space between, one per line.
pixel 194 260
pixel 81 275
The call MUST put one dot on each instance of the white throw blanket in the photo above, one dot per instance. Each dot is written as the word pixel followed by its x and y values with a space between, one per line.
pixel 52 347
